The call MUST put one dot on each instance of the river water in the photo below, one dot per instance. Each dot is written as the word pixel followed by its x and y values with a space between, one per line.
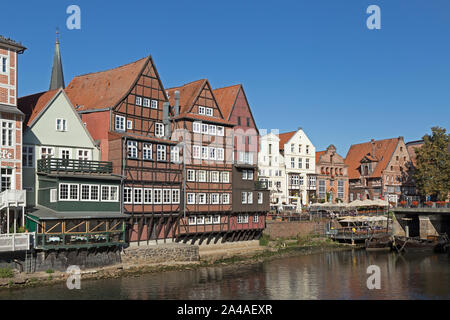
pixel 329 275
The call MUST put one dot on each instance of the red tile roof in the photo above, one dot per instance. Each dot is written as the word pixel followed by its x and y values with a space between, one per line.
pixel 411 147
pixel 106 88
pixel 226 97
pixel 285 137
pixel 32 105
pixel 383 153
pixel 188 94
pixel 318 155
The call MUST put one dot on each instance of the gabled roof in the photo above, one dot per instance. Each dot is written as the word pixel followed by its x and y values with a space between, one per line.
pixel 411 148
pixel 226 98
pixel 318 155
pixel 105 89
pixel 383 153
pixel 33 105
pixel 11 43
pixel 188 94
pixel 285 137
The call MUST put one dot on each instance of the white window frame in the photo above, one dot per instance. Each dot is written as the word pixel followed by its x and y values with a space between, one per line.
pixel 127 192
pixel 244 197
pixel 216 219
pixel 175 196
pixel 250 198
pixel 190 175
pixel 84 155
pixel 220 131
pixel 212 153
pixel 28 151
pixel 192 220
pixel 159 129
pixel 201 110
pixel 161 152
pixel 225 177
pixel 196 152
pixel 148 196
pixel 175 154
pixel 167 196
pixel 157 196
pixel 205 153
pixel 260 198
pixel 220 154
pixel 146 102
pixel 215 198
pixel 53 195
pixel 190 198
pixel 255 218
pixel 215 176
pixel 226 198
pixel 132 149
pixel 204 127
pixel 138 101
pixel 62 126
pixel 10 128
pixel 209 112
pixel 69 198
pixel 109 198
pixel 197 127
pixel 212 130
pixel 147 151
pixel 200 220
pixel 4 61
pixel 140 192
pixel 129 124
pixel 201 176
pixel 154 104
pixel 119 123
pixel 208 219
pixel 201 198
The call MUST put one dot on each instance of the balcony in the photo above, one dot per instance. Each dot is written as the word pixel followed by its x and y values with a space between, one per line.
pixel 260 185
pixel 12 198
pixel 16 242
pixel 54 165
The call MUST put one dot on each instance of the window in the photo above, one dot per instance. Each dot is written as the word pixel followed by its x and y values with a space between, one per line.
pixel 341 189
pixel 250 175
pixel 6 179
pixel 120 123
pixel 299 163
pixel 226 198
pixel 200 220
pixel 205 153
pixel 239 121
pixel 248 122
pixel 220 154
pixel 157 196
pixel 129 124
pixel 260 197
pixel 154 104
pixel 216 219
pixel 132 149
pixel 159 129
pixel 292 147
pixel 212 129
pixel 148 196
pixel 161 153
pixel 110 193
pixel 255 218
pixel 270 149
pixel 191 175
pixel 299 148
pixel 215 176
pixel 196 152
pixel 201 110
pixel 68 192
pixel 244 197
pixel 84 155
pixel 250 198
pixel 138 101
pixel 127 192
pixel 191 198
pixel 147 151
pixel 242 218
pixel 307 164
pixel 225 177
pixel 300 180
pixel 137 195
pixel 4 66
pixel 209 112
pixel 53 195
pixel 292 163
pixel 201 175
pixel 66 155
pixel 307 151
pixel 192 221
pixel 196 127
pixel 175 154
pixel 176 196
pixel 201 198
pixel 7 133
pixel 146 102
pixel 244 174
pixel 220 131
pixel 167 196
pixel 212 153
pixel 204 128
pixel 208 220
pixel 322 190
pixel 61 125
pixel 215 198
pixel 28 156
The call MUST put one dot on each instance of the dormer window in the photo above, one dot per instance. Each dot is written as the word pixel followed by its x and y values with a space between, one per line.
pixel 209 112
pixel 201 110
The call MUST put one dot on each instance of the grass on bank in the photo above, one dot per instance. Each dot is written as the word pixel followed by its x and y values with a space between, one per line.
pixel 6 273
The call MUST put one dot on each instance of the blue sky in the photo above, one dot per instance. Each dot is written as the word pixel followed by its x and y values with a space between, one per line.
pixel 309 64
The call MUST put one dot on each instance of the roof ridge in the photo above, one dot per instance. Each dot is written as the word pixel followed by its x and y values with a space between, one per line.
pixel 35 94
pixel 186 84
pixel 110 69
pixel 358 144
pixel 234 85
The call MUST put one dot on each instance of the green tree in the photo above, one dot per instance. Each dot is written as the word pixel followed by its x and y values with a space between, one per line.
pixel 432 173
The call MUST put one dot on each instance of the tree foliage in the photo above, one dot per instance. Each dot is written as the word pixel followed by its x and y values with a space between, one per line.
pixel 432 173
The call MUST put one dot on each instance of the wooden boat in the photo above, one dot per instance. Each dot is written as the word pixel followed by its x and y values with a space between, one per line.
pixel 419 245
pixel 380 243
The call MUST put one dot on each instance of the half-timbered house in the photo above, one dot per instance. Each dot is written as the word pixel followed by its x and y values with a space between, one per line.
pixel 126 110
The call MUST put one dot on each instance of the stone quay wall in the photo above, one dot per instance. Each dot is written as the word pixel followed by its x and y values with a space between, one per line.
pixel 161 253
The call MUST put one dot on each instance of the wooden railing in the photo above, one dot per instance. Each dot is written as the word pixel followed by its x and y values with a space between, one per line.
pixel 52 165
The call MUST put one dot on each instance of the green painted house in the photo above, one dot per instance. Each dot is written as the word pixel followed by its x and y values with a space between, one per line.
pixel 73 200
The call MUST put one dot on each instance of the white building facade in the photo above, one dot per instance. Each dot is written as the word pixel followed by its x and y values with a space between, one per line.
pixel 271 168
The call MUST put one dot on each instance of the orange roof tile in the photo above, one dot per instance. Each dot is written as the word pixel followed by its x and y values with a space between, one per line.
pixel 104 89
pixel 411 147
pixel 383 153
pixel 188 94
pixel 226 97
pixel 32 105
pixel 318 155
pixel 285 137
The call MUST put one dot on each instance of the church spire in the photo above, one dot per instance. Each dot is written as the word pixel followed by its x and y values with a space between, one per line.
pixel 57 80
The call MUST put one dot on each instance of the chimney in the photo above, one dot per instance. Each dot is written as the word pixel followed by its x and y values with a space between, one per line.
pixel 373 147
pixel 166 120
pixel 177 103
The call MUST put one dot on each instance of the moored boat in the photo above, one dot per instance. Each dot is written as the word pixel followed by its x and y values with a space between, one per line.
pixel 381 243
pixel 416 244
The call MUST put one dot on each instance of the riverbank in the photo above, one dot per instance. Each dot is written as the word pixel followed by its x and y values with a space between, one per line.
pixel 239 253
